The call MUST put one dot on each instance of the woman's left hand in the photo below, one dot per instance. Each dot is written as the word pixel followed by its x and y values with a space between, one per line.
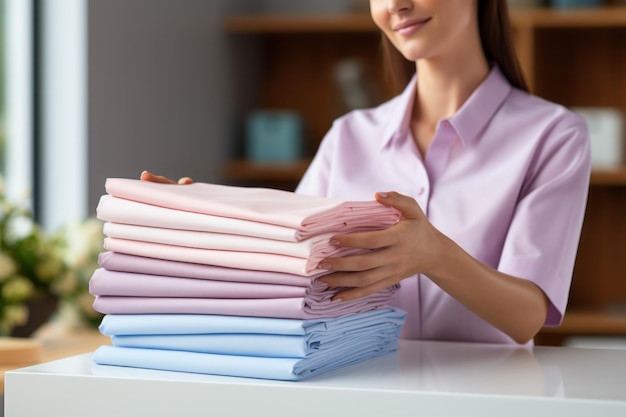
pixel 150 177
pixel 410 247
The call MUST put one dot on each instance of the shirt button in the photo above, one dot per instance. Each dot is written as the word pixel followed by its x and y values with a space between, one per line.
pixel 420 191
pixel 446 124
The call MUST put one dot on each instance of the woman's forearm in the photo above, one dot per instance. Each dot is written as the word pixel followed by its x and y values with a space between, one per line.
pixel 514 305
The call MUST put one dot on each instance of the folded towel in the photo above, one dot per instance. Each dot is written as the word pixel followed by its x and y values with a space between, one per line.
pixel 355 343
pixel 114 261
pixel 119 210
pixel 252 336
pixel 316 303
pixel 308 215
pixel 315 248
pixel 229 259
pixel 129 284
pixel 286 369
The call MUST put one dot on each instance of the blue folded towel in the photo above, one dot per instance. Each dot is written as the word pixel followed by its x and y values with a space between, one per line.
pixel 283 349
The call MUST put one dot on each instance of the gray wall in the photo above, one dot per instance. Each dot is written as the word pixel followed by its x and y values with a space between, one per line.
pixel 159 79
pixel 167 89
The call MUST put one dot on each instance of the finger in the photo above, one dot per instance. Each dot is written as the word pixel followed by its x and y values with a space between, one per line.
pixel 364 240
pixel 354 293
pixel 404 204
pixel 355 263
pixel 354 279
pixel 148 176
pixel 185 181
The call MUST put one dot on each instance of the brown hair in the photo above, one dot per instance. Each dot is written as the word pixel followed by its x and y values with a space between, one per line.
pixel 496 37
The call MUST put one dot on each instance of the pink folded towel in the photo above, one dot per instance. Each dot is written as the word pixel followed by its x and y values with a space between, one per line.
pixel 315 248
pixel 316 303
pixel 119 210
pixel 130 284
pixel 229 259
pixel 114 261
pixel 307 215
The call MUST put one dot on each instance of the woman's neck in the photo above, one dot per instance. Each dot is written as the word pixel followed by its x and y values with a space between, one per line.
pixel 444 85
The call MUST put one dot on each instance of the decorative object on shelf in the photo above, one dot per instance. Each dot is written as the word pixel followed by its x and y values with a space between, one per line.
pixel 38 273
pixel 273 136
pixel 606 129
pixel 356 89
pixel 570 4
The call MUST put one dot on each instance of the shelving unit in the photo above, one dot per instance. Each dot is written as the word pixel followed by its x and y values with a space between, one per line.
pixel 573 57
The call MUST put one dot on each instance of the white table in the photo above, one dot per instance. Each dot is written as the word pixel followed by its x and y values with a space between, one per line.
pixel 422 378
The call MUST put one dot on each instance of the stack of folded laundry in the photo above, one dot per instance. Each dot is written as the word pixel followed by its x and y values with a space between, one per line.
pixel 223 280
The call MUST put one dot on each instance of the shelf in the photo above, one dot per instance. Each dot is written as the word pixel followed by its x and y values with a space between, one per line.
pixel 286 23
pixel 245 170
pixel 590 323
pixel 554 18
pixel 362 22
pixel 615 176
pixel 240 169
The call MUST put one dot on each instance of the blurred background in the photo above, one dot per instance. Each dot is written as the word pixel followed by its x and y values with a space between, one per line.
pixel 241 92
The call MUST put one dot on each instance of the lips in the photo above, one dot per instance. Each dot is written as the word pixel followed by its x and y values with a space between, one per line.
pixel 409 26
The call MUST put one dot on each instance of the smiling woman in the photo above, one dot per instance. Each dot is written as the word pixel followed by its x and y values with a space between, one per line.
pixel 477 260
pixel 477 166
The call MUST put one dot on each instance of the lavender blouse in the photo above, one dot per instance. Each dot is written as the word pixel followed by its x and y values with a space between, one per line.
pixel 506 177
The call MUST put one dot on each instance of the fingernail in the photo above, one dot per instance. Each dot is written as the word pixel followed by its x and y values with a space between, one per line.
pixel 324 265
pixel 334 242
pixel 383 194
pixel 336 300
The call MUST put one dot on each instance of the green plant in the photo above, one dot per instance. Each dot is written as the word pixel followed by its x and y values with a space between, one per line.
pixel 31 263
pixel 36 264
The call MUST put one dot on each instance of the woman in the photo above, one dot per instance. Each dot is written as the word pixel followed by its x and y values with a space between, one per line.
pixel 491 181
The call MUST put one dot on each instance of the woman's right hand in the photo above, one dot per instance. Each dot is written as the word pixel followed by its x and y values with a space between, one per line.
pixel 148 176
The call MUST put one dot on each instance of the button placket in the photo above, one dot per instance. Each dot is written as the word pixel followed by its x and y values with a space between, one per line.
pixel 437 156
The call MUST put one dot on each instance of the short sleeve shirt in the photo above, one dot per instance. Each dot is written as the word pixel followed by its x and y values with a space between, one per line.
pixel 506 177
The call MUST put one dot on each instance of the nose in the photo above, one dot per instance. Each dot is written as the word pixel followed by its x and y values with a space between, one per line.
pixel 399 6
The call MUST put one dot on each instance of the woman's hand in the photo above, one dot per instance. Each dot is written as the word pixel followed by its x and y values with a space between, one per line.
pixel 410 247
pixel 514 305
pixel 148 176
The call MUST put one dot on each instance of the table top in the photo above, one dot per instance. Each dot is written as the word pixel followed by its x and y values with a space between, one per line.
pixel 578 377
pixel 51 344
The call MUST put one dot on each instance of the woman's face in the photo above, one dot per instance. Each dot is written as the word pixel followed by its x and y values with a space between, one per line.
pixel 422 29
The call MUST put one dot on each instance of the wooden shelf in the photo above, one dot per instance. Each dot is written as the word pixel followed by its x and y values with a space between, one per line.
pixel 242 170
pixel 287 23
pixel 607 16
pixel 616 176
pixel 590 323
pixel 362 22
pixel 583 323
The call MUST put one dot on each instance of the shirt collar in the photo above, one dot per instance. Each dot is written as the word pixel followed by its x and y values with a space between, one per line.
pixel 468 121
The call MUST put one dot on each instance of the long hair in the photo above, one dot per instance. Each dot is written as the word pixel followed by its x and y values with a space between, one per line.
pixel 496 37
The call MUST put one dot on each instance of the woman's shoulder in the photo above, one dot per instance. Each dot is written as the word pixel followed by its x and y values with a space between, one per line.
pixel 532 109
pixel 543 127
